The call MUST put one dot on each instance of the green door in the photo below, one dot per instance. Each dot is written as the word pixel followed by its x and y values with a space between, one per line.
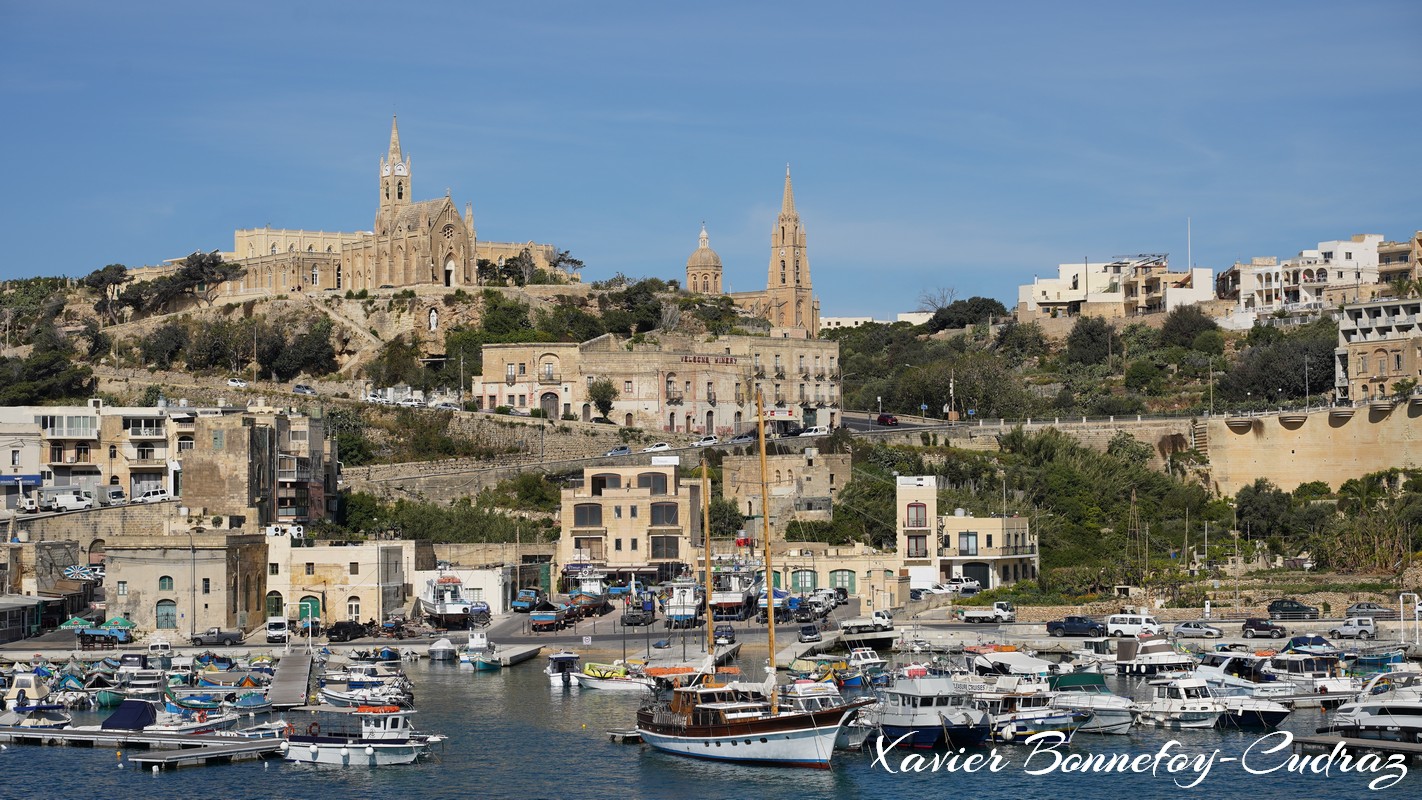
pixel 310 607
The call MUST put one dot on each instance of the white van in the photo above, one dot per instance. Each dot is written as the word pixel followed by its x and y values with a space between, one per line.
pixel 154 496
pixel 112 496
pixel 277 630
pixel 818 430
pixel 75 500
pixel 1132 625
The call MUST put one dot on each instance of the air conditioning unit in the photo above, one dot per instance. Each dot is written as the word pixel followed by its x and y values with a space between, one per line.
pixel 297 532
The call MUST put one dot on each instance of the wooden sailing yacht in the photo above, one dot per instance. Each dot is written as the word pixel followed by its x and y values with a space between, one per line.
pixel 745 722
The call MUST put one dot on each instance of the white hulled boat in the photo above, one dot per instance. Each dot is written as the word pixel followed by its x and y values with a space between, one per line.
pixel 367 736
pixel 1181 703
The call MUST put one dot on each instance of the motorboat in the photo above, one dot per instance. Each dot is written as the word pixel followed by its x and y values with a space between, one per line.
pixel 373 736
pixel 1317 678
pixel 549 616
pixel 867 661
pixel 1096 654
pixel 381 696
pixel 250 704
pixel 1150 657
pixel 1181 704
pixel 683 605
pixel 563 668
pixel 443 650
pixel 1011 662
pixel 1244 710
pixel 1389 707
pixel 807 695
pixel 1086 691
pixel 479 653
pixel 932 710
pixel 618 676
pixel 733 592
pixel 25 689
pixel 589 597
pixel 1018 709
pixel 42 715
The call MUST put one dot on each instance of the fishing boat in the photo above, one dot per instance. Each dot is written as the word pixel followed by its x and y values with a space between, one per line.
pixel 805 695
pixel 589 597
pixel 250 704
pixel 1181 704
pixel 1086 691
pixel 618 676
pixel 745 723
pixel 1150 657
pixel 682 607
pixel 563 668
pixel 733 593
pixel 867 661
pixel 932 711
pixel 364 736
pixel 549 616
pixel 381 696
pixel 190 722
pixel 479 653
pixel 442 601
pixel 26 689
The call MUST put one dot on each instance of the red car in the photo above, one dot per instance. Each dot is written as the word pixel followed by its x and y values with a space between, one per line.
pixel 886 419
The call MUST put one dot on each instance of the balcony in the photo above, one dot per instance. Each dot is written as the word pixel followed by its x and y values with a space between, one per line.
pixel 147 463
pixel 916 523
pixel 675 397
pixel 804 401
pixel 759 371
pixel 819 376
pixel 549 378
pixel 740 399
pixel 510 379
pixel 711 398
pixel 780 372
pixel 1012 551
pixel 148 432
pixel 71 433
pixel 779 399
pixel 70 459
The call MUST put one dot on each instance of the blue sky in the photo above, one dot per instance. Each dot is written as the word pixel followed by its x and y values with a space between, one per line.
pixel 963 145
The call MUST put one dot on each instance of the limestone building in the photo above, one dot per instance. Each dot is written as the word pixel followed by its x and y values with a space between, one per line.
pixel 933 547
pixel 640 521
pixel 1127 287
pixel 802 486
pixel 1379 347
pixel 788 302
pixel 669 382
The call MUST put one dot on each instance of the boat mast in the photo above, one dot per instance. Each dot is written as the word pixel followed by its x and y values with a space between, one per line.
pixel 706 542
pixel 765 534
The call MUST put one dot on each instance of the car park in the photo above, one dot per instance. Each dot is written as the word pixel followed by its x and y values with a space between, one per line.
pixel 1196 629
pixel 886 419
pixel 1374 610
pixel 706 441
pixel 237 383
pixel 656 448
pixel 620 450
pixel 810 633
pixel 1291 609
pixel 1258 626
pixel 302 388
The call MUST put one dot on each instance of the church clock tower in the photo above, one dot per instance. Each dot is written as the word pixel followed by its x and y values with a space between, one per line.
pixel 789 299
pixel 394 182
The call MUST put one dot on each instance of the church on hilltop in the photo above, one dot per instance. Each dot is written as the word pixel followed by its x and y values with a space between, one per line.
pixel 788 302
pixel 412 244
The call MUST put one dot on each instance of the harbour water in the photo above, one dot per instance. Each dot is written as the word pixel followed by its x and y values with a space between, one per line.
pixel 514 736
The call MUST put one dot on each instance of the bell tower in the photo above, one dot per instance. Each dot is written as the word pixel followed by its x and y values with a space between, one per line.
pixel 394 181
pixel 789 297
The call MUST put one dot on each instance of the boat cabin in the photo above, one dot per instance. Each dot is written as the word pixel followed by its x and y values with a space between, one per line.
pixel 384 723
pixel 1189 689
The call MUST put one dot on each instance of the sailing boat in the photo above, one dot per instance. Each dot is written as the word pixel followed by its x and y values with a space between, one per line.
pixel 745 722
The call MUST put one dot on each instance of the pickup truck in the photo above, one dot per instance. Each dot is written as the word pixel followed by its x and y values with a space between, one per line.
pixel 1076 626
pixel 878 621
pixel 1001 611
pixel 1356 628
pixel 217 636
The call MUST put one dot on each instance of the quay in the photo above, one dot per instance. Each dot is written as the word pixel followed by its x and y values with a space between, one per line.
pixel 291 682
pixel 182 749
pixel 1326 743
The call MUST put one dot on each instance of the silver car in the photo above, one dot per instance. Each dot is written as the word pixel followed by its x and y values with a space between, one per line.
pixel 1196 629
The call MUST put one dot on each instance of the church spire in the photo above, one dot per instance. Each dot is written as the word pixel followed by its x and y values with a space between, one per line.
pixel 394 139
pixel 787 203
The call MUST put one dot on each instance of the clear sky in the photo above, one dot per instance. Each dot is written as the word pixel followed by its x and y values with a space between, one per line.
pixel 934 144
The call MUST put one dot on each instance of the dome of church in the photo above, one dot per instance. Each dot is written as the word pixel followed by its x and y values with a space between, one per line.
pixel 703 256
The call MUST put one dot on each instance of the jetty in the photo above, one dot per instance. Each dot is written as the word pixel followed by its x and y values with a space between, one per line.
pixel 1328 742
pixel 291 682
pixel 179 749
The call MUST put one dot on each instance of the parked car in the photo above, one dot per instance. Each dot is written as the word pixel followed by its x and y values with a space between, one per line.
pixel 154 496
pixel 620 450
pixel 1133 625
pixel 345 630
pixel 213 636
pixel 656 448
pixel 841 595
pixel 237 383
pixel 411 402
pixel 1291 609
pixel 958 583
pixel 742 438
pixel 917 594
pixel 1258 626
pixel 1200 629
pixel 810 633
pixel 886 419
pixel 1076 626
pixel 706 441
pixel 793 430
pixel 817 430
pixel 1374 610
pixel 446 406
pixel 302 388
pixel 1356 628
pixel 724 634
pixel 29 505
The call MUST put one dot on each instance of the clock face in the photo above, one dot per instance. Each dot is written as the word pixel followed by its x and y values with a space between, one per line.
pixel 400 170
pixel 385 170
pixel 782 251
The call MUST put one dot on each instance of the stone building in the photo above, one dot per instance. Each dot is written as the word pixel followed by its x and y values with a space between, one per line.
pixel 1126 287
pixel 670 382
pixel 788 302
pixel 802 486
pixel 995 551
pixel 639 521
pixel 333 581
pixel 1379 347
pixel 187 579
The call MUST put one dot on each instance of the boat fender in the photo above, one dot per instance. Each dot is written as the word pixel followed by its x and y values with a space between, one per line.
pixel 314 729
pixel 370 751
pixel 290 729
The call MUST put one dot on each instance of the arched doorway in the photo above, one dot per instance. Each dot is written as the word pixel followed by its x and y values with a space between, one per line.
pixel 710 422
pixel 276 606
pixel 803 580
pixel 449 271
pixel 549 403
pixel 353 609
pixel 738 421
pixel 165 615
pixel 671 422
pixel 96 552
pixel 628 420
pixel 842 579
pixel 309 608
pixel 689 423
pixel 587 412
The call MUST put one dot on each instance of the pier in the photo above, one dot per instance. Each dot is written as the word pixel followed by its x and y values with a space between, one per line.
pixel 1326 743
pixel 291 682
pixel 179 749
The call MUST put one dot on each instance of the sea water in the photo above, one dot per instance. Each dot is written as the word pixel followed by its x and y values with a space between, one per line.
pixel 511 735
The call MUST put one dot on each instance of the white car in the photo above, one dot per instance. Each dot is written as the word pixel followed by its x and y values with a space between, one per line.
pixel 237 383
pixel 958 583
pixel 411 402
pixel 817 430
pixel 658 447
pixel 706 441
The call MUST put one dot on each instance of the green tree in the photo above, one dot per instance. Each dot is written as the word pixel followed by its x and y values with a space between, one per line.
pixel 726 518
pixel 1129 449
pixel 1141 374
pixel 603 394
pixel 1017 341
pixel 1091 341
pixel 106 282
pixel 1183 324
pixel 965 313
pixel 1209 342
pixel 164 346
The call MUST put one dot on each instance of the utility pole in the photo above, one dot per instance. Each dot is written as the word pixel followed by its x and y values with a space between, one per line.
pixel 461 381
pixel 192 585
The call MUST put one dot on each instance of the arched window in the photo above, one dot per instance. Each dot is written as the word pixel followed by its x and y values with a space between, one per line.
pixel 664 514
pixel 315 275
pixel 587 515
pixel 605 480
pixel 165 583
pixel 655 481
pixel 400 190
pixel 276 607
pixel 113 451
pixel 166 615
pixel 185 443
pixel 916 516
pixel 434 320
pixel 353 609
